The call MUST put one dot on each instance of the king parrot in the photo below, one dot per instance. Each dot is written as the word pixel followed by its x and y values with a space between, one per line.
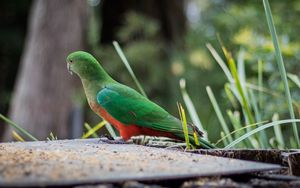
pixel 127 110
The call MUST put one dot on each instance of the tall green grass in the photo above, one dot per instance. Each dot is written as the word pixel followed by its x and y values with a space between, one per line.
pixel 281 67
pixel 238 89
pixel 244 124
pixel 191 108
pixel 248 97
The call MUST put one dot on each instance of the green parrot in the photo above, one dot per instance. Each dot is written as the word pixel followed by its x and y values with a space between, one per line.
pixel 127 110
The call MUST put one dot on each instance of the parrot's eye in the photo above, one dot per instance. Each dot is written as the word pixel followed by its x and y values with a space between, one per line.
pixel 71 61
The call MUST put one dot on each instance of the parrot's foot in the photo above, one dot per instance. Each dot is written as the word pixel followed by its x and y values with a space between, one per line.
pixel 111 140
pixel 152 141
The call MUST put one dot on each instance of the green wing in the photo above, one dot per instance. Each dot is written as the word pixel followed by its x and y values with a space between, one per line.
pixel 130 107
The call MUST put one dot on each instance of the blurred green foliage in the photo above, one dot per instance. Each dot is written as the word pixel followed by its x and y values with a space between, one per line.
pixel 159 63
pixel 146 53
pixel 242 27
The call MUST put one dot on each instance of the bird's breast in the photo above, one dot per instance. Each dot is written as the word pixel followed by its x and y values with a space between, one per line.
pixel 98 109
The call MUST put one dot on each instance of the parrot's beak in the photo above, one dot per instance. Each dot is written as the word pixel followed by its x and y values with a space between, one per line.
pixel 69 68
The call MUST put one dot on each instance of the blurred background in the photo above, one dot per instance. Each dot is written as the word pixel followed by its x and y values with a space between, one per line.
pixel 163 41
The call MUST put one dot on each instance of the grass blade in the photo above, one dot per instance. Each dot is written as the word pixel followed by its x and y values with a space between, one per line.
pixel 18 128
pixel 278 132
pixel 252 132
pixel 241 71
pixel 235 121
pixel 184 125
pixel 252 142
pixel 270 92
pixel 260 82
pixel 263 139
pixel 223 139
pixel 218 112
pixel 294 78
pixel 191 108
pixel 231 96
pixel 126 63
pixel 281 67
pixel 91 131
pixel 239 130
pixel 241 94
pixel 51 137
pixel 17 136
pixel 221 63
pixel 196 138
pixel 239 86
pixel 110 129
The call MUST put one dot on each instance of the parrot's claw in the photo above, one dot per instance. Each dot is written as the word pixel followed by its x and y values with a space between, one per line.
pixel 111 140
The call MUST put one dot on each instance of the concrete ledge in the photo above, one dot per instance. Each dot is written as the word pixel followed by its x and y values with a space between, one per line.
pixel 77 162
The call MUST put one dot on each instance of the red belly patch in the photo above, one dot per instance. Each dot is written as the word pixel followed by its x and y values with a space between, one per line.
pixel 127 131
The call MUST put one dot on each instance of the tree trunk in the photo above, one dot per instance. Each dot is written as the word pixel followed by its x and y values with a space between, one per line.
pixel 12 36
pixel 42 96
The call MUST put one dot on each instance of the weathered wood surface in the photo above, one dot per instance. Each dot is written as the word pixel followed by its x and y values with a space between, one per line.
pixel 74 162
pixel 289 158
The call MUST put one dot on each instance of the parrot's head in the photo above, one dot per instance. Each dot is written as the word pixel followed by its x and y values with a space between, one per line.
pixel 82 63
